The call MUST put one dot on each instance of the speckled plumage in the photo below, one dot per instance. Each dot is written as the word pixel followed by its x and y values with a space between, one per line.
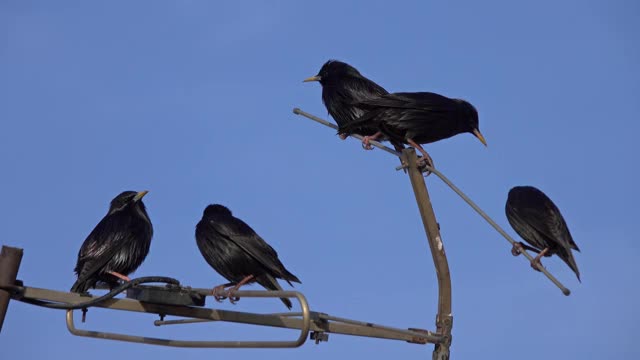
pixel 120 243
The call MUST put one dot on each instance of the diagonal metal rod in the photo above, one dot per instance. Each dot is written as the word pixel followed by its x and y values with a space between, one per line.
pixel 464 197
pixel 377 144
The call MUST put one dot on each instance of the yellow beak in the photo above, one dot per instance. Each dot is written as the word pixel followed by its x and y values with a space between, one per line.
pixel 140 195
pixel 313 78
pixel 478 134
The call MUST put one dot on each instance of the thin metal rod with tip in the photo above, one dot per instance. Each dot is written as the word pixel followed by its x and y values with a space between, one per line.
pixel 464 197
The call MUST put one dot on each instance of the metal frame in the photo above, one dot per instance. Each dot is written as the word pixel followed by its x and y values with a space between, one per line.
pixel 444 318
pixel 319 324
pixel 453 187
pixel 307 321
pixel 304 329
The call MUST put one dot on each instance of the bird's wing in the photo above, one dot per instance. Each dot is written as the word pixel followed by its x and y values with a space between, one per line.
pixel 249 241
pixel 414 100
pixel 550 223
pixel 410 110
pixel 521 224
pixel 100 246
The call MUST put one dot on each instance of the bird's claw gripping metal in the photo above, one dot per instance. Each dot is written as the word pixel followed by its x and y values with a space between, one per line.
pixel 219 294
pixel 517 249
pixel 536 264
pixel 232 299
pixel 365 143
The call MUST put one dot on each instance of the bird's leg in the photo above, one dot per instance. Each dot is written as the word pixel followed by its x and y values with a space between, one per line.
pixel 342 136
pixel 425 156
pixel 219 293
pixel 535 263
pixel 230 292
pixel 119 276
pixel 366 139
pixel 520 247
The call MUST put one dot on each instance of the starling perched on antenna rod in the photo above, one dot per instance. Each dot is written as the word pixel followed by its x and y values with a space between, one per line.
pixel 539 222
pixel 236 252
pixel 342 87
pixel 117 246
pixel 415 118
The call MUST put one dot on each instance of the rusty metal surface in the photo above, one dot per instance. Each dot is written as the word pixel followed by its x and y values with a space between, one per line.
pixel 436 245
pixel 10 259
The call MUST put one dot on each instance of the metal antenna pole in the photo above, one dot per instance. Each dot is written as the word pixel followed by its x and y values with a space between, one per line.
pixel 10 259
pixel 444 318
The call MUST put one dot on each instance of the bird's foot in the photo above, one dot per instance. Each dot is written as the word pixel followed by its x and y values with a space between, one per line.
pixel 342 136
pixel 219 293
pixel 365 143
pixel 422 164
pixel 230 294
pixel 517 249
pixel 426 159
pixel 536 264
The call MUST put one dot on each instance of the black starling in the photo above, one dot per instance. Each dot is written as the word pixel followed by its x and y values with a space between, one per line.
pixel 539 222
pixel 416 118
pixel 117 246
pixel 236 252
pixel 342 87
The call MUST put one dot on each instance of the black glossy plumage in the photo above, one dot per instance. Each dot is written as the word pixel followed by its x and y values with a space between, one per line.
pixel 235 251
pixel 539 222
pixel 342 88
pixel 120 243
pixel 423 117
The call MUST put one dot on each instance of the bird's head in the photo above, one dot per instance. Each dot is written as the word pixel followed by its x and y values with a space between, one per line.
pixel 127 198
pixel 334 71
pixel 216 209
pixel 471 124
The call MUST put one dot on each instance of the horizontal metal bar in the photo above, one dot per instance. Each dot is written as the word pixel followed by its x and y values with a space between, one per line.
pixel 316 322
pixel 448 182
pixel 304 331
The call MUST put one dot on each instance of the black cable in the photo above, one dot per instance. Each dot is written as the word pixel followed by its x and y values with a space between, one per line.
pixel 98 300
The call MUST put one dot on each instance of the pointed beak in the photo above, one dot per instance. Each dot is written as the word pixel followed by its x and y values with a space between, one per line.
pixel 313 78
pixel 140 195
pixel 478 134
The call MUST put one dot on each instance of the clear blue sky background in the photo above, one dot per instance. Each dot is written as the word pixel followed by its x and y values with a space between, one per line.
pixel 192 100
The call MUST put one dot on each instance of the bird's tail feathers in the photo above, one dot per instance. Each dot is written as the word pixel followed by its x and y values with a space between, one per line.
pixel 271 283
pixel 567 256
pixel 80 286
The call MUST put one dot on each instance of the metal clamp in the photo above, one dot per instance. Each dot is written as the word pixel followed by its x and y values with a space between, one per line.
pixel 304 331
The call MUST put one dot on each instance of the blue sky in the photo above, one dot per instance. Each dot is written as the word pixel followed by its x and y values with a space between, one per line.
pixel 192 100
